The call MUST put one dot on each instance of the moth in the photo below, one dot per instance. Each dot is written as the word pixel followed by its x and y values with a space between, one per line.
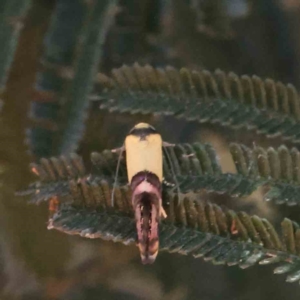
pixel 144 160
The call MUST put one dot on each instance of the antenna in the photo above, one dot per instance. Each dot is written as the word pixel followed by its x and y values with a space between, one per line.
pixel 165 145
pixel 117 172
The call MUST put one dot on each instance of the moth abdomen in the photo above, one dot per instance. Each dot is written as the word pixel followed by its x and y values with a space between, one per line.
pixel 147 205
pixel 147 176
pixel 147 219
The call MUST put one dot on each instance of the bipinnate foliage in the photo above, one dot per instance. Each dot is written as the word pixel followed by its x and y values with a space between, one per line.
pixel 12 15
pixel 196 168
pixel 278 169
pixel 70 63
pixel 99 19
pixel 269 107
pixel 195 227
pixel 57 60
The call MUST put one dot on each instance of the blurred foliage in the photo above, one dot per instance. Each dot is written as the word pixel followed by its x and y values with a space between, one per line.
pixel 82 38
pixel 70 66
pixel 12 14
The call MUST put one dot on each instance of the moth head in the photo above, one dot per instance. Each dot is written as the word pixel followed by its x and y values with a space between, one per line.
pixel 142 129
pixel 143 126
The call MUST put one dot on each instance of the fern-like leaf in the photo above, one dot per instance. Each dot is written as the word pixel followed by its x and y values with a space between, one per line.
pixel 271 108
pixel 278 168
pixel 12 14
pixel 196 228
pixel 57 60
pixel 70 65
pixel 101 16
pixel 196 167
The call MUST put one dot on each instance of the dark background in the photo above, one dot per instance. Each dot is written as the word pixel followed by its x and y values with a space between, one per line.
pixel 252 37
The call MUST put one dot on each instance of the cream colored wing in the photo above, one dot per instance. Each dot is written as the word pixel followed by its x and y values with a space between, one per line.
pixel 144 155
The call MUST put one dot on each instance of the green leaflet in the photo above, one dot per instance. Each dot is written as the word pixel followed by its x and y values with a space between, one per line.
pixel 279 168
pixel 61 44
pixel 100 17
pixel 196 167
pixel 270 107
pixel 61 104
pixel 12 14
pixel 196 228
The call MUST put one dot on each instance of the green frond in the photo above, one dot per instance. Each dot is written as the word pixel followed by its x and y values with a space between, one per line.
pixel 270 107
pixel 58 59
pixel 99 20
pixel 196 167
pixel 196 228
pixel 57 176
pixel 279 169
pixel 70 65
pixel 12 15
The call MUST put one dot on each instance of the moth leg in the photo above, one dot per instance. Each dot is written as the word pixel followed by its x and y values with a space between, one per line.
pixel 162 213
pixel 118 150
pixel 166 144
pixel 176 184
